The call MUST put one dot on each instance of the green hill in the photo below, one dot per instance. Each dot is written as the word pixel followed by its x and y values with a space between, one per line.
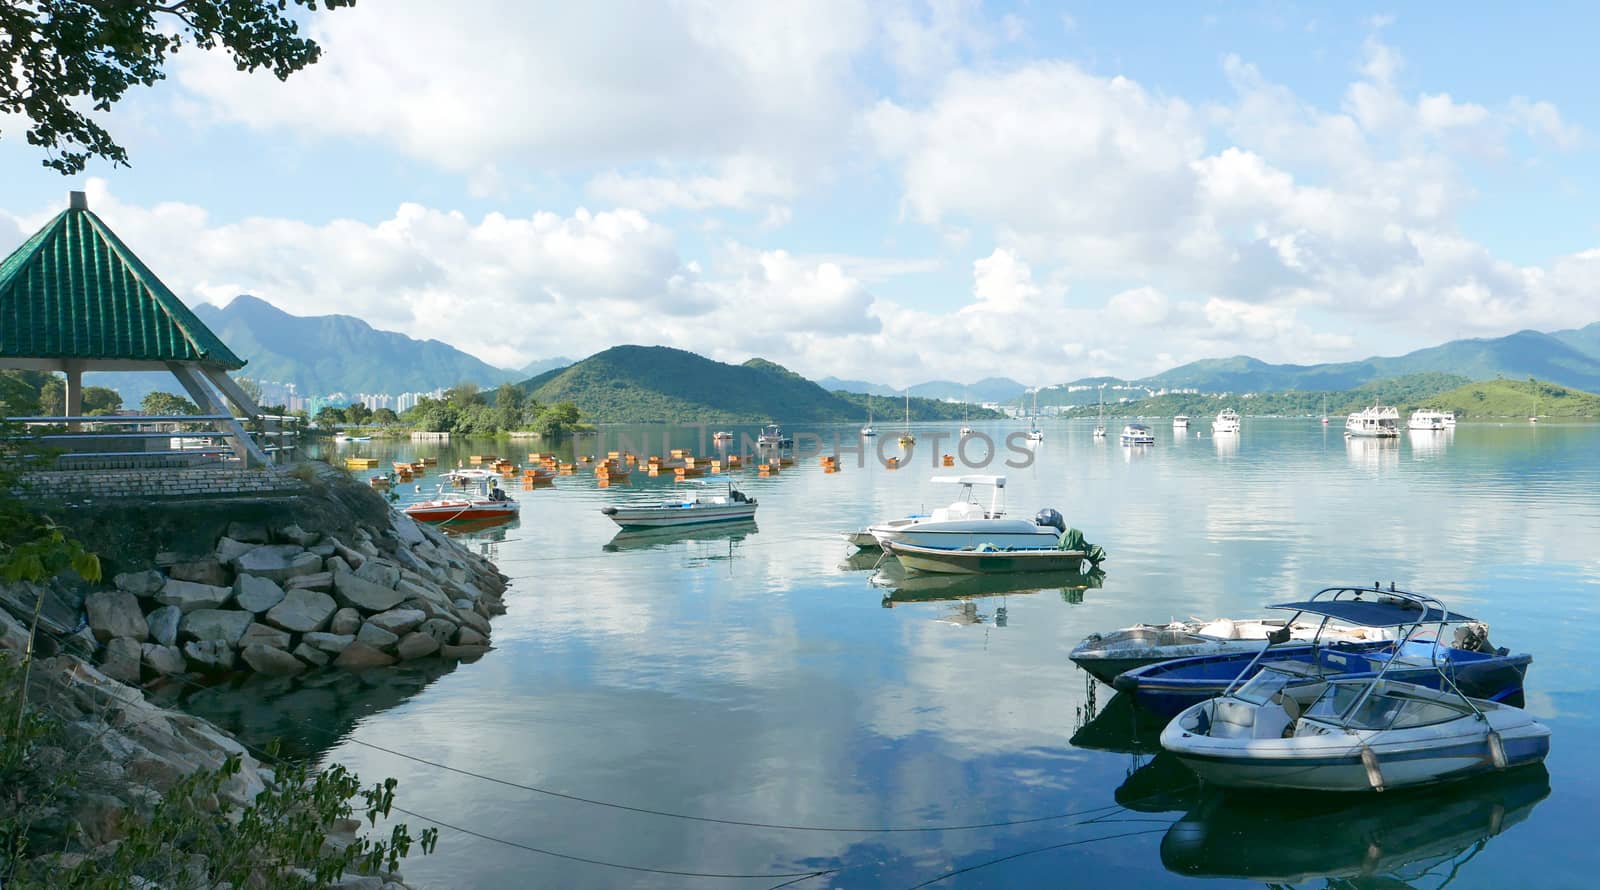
pixel 1518 399
pixel 1408 390
pixel 657 384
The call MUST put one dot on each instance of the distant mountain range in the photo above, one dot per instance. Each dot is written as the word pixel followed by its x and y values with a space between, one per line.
pixel 647 384
pixel 989 389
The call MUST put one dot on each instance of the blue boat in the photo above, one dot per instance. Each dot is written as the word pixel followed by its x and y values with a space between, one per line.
pixel 1475 668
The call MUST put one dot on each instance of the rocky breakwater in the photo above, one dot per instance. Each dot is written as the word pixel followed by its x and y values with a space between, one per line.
pixel 284 599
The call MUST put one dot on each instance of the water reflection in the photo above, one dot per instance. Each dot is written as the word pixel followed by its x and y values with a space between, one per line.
pixel 664 538
pixel 1429 443
pixel 903 587
pixel 1373 454
pixel 1227 444
pixel 1398 839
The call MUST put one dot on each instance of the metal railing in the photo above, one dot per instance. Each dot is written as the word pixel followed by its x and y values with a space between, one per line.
pixel 144 441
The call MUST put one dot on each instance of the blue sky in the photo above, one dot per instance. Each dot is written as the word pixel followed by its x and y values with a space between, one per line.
pixel 891 191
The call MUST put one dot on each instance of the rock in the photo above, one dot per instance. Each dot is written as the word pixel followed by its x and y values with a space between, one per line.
pixel 360 655
pixel 474 620
pixel 406 528
pixel 439 629
pixel 229 550
pixel 335 564
pixel 116 613
pixel 313 581
pixel 189 596
pixel 302 611
pixel 120 660
pixel 376 637
pixel 163 625
pixel 201 571
pixel 163 660
pixel 351 557
pixel 140 583
pixel 419 590
pixel 209 655
pixel 458 653
pixel 256 594
pixel 345 621
pixel 469 637
pixel 271 661
pixel 431 609
pixel 261 635
pixel 398 621
pixel 353 590
pixel 311 655
pixel 248 532
pixel 415 645
pixel 294 534
pixel 226 625
pixel 359 882
pixel 323 549
pixel 379 572
pixel 280 562
pixel 326 642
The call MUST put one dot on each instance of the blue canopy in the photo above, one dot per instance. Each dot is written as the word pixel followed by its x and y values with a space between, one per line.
pixel 1373 613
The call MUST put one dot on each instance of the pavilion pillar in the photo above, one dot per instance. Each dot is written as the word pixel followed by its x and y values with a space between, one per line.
pixel 72 405
pixel 199 389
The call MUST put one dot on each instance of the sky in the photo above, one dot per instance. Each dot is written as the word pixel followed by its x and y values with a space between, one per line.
pixel 888 191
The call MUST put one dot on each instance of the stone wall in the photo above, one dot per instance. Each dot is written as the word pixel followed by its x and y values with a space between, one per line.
pixel 155 483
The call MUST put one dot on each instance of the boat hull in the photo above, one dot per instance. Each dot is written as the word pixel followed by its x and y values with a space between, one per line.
pixel 958 533
pixel 985 562
pixel 673 516
pixel 455 511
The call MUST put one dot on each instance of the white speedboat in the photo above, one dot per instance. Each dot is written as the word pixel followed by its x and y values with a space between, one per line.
pixel 1226 422
pixel 1376 422
pixel 967 523
pixel 1181 422
pixel 1430 420
pixel 1109 654
pixel 699 508
pixel 1284 728
pixel 1137 434
pixel 773 436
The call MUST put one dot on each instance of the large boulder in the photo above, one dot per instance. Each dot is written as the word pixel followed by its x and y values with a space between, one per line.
pixel 418 589
pixel 226 625
pixel 398 621
pixel 360 655
pixel 314 581
pixel 294 534
pixel 115 613
pixel 474 620
pixel 205 570
pixel 189 596
pixel 301 611
pixel 120 660
pixel 469 637
pixel 229 550
pixel 262 635
pixel 438 628
pixel 358 592
pixel 256 594
pixel 143 583
pixel 163 660
pixel 163 625
pixel 209 655
pixel 376 637
pixel 248 532
pixel 415 645
pixel 462 653
pixel 380 572
pixel 311 655
pixel 279 562
pixel 406 528
pixel 271 660
pixel 326 642
pixel 345 621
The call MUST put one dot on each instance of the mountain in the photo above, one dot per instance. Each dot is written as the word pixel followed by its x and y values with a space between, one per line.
pixel 834 384
pixel 539 366
pixel 1518 398
pixel 989 389
pixel 1568 358
pixel 338 353
pixel 653 384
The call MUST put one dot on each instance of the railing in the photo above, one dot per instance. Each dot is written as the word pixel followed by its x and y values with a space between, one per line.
pixel 139 441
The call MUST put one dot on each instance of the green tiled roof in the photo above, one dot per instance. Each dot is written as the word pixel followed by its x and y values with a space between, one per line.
pixel 75 291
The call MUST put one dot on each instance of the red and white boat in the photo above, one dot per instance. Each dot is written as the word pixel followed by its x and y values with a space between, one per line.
pixel 463 508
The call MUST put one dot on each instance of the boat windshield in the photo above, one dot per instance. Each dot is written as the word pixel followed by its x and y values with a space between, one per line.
pixel 1381 710
pixel 1260 689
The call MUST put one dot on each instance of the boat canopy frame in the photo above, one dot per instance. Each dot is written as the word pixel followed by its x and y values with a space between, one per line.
pixel 997 507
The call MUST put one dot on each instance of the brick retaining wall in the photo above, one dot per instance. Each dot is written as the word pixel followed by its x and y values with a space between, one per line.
pixel 77 485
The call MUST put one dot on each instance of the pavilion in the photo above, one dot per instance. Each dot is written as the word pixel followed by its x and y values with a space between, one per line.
pixel 74 298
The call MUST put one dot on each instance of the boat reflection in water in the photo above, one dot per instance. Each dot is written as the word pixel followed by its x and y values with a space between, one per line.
pixel 492 528
pixel 1429 443
pixel 1373 454
pixel 1375 839
pixel 862 560
pixel 1157 782
pixel 665 538
pixel 902 587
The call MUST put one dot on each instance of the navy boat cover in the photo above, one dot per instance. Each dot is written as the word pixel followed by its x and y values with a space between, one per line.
pixel 1374 613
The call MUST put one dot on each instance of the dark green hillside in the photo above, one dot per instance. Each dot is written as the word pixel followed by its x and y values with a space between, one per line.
pixel 1519 399
pixel 657 384
pixel 1411 390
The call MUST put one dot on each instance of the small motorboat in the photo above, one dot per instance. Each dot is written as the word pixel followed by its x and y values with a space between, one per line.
pixel 1473 664
pixel 967 523
pixel 773 436
pixel 699 508
pixel 344 438
pixel 722 436
pixel 1071 554
pixel 1106 655
pixel 1137 434
pixel 494 505
pixel 469 476
pixel 1181 422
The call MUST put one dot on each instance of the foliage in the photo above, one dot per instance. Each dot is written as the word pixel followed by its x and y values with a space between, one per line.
pixel 251 387
pixel 328 417
pixel 61 58
pixel 358 413
pixel 385 417
pixel 98 400
pixel 1519 398
pixel 1413 390
pixel 19 392
pixel 886 410
pixel 165 404
pixel 468 412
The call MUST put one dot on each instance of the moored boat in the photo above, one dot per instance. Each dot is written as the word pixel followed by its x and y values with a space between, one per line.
pixel 773 436
pixel 1375 422
pixel 986 559
pixel 1137 434
pixel 966 523
pixel 1430 420
pixel 1106 655
pixel 697 509
pixel 1181 422
pixel 1227 422
pixel 494 505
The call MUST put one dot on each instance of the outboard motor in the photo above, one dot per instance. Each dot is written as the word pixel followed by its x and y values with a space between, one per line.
pixel 1049 517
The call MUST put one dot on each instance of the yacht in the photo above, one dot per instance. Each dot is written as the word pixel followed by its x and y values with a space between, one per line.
pixel 1100 423
pixel 967 523
pixel 1430 420
pixel 1226 422
pixel 867 431
pixel 1181 422
pixel 772 436
pixel 1137 434
pixel 1034 433
pixel 1376 422
pixel 906 439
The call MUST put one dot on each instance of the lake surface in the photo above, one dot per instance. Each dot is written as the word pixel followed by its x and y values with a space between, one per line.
pixel 758 674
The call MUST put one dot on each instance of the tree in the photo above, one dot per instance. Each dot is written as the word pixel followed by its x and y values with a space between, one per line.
pixel 165 404
pixel 62 58
pixel 329 416
pixel 508 403
pixel 100 400
pixel 251 387
pixel 19 392
pixel 385 417
pixel 557 420
pixel 53 398
pixel 357 413
pixel 462 396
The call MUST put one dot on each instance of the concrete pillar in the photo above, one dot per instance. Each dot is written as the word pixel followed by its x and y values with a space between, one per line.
pixel 73 403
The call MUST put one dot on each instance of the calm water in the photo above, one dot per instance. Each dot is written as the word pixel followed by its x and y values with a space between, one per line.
pixel 758 674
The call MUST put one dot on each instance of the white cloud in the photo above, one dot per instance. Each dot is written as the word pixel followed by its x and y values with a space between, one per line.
pixel 737 182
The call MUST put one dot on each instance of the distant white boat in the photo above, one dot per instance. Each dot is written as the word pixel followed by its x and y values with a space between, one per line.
pixel 1376 422
pixel 867 431
pixel 1226 422
pixel 1430 420
pixel 772 436
pixel 1100 423
pixel 1137 434
pixel 1181 422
